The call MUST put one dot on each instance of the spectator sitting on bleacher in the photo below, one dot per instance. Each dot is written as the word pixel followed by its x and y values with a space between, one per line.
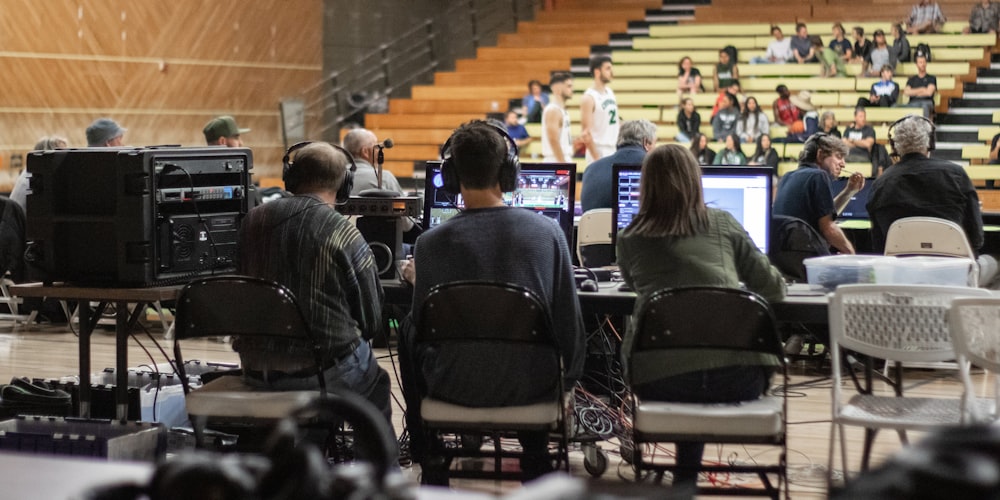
pixel 925 17
pixel 779 50
pixel 862 46
pixel 860 137
pixel 802 48
pixel 735 90
pixel 534 102
pixel 900 45
pixel 688 121
pixel 724 122
pixel 732 154
pixel 830 63
pixel 764 155
pixel 841 45
pixel 515 130
pixel 920 88
pixel 688 78
pixel 700 149
pixel 726 71
pixel 884 93
pixel 786 113
pixel 828 124
pixel 984 18
pixel 753 122
pixel 994 160
pixel 880 55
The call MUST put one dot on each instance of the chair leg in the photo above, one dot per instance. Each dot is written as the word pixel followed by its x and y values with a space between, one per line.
pixel 866 455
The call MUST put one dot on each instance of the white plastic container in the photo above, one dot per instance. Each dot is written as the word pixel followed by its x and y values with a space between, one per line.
pixel 832 270
pixel 921 270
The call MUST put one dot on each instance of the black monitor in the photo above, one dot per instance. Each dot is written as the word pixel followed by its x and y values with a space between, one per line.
pixel 744 192
pixel 857 207
pixel 546 188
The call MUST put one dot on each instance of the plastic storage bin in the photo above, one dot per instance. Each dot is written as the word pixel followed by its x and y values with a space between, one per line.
pixel 832 270
pixel 921 270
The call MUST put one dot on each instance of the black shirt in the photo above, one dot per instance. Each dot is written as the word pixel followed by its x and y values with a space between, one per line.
pixel 917 82
pixel 688 125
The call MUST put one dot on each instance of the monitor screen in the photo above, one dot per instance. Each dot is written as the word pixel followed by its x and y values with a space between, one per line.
pixel 856 208
pixel 744 192
pixel 546 188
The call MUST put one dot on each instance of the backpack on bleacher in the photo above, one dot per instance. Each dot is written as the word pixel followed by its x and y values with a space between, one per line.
pixel 922 50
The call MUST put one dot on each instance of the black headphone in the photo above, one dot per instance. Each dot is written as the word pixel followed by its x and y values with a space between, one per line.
pixel 930 145
pixel 343 193
pixel 509 169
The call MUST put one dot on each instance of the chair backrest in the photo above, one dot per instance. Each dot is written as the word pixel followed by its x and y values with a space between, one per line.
pixel 242 306
pixel 705 318
pixel 478 310
pixel 593 238
pixel 927 236
pixel 906 323
pixel 975 324
pixel 792 241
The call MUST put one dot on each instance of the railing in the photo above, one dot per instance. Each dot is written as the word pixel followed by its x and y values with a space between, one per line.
pixel 409 59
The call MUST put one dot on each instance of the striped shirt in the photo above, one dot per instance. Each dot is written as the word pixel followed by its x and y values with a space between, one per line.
pixel 306 245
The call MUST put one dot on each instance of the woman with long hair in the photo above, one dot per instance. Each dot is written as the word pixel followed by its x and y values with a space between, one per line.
pixel 688 77
pixel 764 154
pixel 753 122
pixel 828 123
pixel 675 241
pixel 732 154
pixel 700 149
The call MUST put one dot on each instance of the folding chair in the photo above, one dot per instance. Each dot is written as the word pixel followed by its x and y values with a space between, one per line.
pixel 593 238
pixel 931 236
pixel 707 318
pixel 974 323
pixel 898 323
pixel 243 306
pixel 487 314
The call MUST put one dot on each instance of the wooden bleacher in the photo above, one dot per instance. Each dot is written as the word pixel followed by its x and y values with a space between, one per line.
pixel 645 75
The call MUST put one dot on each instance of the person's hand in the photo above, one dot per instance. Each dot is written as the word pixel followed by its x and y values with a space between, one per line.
pixel 408 270
pixel 856 182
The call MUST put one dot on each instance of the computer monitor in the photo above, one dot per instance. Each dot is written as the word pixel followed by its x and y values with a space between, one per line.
pixel 856 208
pixel 744 192
pixel 546 188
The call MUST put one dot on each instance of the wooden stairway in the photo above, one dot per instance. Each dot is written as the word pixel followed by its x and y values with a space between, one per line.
pixel 420 124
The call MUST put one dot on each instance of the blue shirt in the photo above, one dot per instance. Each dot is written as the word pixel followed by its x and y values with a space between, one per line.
pixel 804 193
pixel 517 132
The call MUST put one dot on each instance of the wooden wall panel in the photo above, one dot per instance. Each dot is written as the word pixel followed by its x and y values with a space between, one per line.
pixel 161 69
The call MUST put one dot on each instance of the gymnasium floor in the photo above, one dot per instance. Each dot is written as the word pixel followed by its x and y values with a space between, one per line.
pixel 51 351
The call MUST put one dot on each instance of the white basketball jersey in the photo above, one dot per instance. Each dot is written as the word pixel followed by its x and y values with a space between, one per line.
pixel 564 136
pixel 606 122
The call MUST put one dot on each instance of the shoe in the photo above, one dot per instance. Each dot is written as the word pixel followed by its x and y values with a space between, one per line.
pixel 793 346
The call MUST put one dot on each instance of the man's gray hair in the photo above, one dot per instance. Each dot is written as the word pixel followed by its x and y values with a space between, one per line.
pixel 637 132
pixel 357 139
pixel 912 135
pixel 820 141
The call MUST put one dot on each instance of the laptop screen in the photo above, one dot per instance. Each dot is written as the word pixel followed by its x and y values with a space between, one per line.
pixel 744 192
pixel 856 208
pixel 549 189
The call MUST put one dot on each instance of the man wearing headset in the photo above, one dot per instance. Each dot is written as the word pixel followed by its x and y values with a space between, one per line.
pixel 922 186
pixel 493 242
pixel 303 243
pixel 805 193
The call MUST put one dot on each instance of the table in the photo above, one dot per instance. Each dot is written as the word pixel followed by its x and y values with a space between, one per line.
pixel 38 476
pixel 124 321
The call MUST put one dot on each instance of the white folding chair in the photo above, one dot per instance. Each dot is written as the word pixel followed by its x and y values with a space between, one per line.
pixel 931 236
pixel 975 332
pixel 593 238
pixel 898 323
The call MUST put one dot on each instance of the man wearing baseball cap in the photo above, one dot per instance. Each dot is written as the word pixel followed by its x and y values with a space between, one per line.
pixel 105 132
pixel 223 131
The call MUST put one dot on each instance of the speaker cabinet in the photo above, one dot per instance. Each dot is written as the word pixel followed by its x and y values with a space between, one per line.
pixel 385 238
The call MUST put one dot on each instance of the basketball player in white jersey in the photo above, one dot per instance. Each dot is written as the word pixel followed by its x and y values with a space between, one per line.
pixel 556 143
pixel 599 118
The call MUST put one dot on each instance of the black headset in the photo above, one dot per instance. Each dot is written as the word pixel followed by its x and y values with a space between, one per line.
pixel 509 169
pixel 343 193
pixel 930 145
